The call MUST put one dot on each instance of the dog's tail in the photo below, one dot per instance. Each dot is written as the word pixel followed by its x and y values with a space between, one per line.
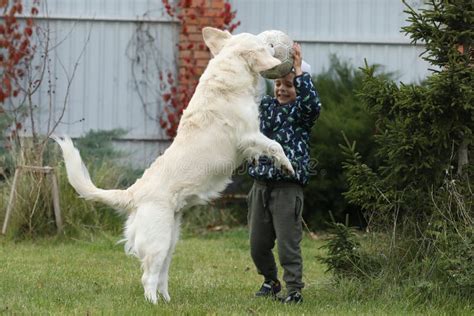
pixel 79 178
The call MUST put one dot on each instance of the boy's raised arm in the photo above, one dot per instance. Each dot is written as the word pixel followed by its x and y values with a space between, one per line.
pixel 308 102
pixel 307 98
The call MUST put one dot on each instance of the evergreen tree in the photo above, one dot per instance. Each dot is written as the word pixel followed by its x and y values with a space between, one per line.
pixel 421 193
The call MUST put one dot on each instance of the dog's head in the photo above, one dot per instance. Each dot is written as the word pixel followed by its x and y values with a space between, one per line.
pixel 253 50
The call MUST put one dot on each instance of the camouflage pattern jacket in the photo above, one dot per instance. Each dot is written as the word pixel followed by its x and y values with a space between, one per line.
pixel 290 125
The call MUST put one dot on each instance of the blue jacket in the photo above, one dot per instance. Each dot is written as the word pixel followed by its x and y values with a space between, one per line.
pixel 290 125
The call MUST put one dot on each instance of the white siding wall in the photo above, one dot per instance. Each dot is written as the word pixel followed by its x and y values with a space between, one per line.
pixel 351 29
pixel 103 94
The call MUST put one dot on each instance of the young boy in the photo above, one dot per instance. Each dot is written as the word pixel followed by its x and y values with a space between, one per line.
pixel 276 199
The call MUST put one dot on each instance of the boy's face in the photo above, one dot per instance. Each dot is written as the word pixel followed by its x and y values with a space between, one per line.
pixel 285 91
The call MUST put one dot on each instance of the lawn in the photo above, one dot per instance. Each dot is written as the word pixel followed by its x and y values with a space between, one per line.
pixel 210 274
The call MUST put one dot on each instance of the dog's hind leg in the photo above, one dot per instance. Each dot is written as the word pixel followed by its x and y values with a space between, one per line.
pixel 163 278
pixel 153 241
pixel 150 276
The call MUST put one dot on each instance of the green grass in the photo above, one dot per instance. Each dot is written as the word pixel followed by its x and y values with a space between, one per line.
pixel 210 274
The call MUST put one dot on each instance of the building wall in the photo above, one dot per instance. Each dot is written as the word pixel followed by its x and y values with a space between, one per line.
pixel 351 29
pixel 118 47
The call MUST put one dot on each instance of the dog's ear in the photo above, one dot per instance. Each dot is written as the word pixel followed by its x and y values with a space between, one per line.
pixel 215 39
pixel 260 60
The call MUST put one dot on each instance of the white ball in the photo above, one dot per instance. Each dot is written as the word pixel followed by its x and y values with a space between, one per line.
pixel 283 48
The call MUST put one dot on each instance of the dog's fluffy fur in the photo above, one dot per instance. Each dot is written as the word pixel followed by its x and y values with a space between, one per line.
pixel 217 132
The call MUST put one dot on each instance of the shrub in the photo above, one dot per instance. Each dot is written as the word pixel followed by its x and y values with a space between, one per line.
pixel 342 112
pixel 5 159
pixel 342 251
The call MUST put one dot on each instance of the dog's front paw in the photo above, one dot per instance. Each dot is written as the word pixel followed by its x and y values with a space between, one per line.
pixel 285 165
pixel 287 168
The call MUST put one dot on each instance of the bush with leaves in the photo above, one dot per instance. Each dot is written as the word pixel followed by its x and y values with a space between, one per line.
pixel 343 113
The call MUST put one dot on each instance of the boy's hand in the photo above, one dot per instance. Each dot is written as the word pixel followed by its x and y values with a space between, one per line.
pixel 297 59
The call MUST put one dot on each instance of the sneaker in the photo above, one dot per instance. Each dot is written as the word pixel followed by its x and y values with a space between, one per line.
pixel 269 289
pixel 294 297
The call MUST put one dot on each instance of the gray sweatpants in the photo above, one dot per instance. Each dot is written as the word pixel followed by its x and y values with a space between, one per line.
pixel 275 210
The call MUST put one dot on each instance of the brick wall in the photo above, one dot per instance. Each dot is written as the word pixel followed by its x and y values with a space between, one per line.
pixel 194 55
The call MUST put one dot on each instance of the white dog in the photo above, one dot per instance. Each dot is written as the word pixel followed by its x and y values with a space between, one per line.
pixel 217 132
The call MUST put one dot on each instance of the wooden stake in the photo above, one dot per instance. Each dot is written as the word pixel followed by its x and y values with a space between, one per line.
pixel 57 209
pixel 10 201
pixel 54 188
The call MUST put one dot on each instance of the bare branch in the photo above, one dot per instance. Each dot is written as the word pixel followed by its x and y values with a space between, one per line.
pixel 68 88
